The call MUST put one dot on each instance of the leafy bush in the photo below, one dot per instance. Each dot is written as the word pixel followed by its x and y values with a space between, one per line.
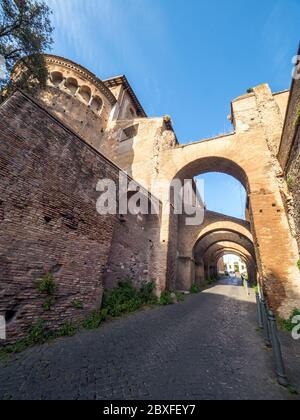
pixel 36 334
pixel 126 298
pixel 298 264
pixel 77 304
pixel 195 289
pixel 123 299
pixel 147 294
pixel 67 330
pixel 180 297
pixel 95 319
pixel 47 285
pixel 47 305
pixel 166 298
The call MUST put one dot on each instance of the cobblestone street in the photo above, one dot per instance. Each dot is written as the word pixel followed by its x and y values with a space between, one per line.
pixel 205 348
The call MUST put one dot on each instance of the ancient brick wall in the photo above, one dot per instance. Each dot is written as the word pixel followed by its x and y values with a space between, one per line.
pixel 289 158
pixel 172 251
pixel 48 218
pixel 133 253
pixel 293 176
pixel 288 134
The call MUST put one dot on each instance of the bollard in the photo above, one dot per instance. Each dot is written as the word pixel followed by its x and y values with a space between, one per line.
pixel 280 369
pixel 259 314
pixel 265 322
pixel 246 287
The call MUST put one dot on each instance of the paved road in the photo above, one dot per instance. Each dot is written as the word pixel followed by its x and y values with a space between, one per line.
pixel 204 348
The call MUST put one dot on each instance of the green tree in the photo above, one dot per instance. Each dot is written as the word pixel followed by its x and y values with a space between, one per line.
pixel 25 34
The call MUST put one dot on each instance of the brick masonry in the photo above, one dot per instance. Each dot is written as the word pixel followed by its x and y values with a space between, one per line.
pixel 48 219
pixel 293 175
pixel 133 251
pixel 48 222
pixel 289 157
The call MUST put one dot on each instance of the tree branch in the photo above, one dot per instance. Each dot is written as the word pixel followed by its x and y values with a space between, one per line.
pixel 17 24
pixel 13 53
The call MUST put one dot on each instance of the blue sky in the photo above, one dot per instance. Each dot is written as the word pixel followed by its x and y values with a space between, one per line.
pixel 184 58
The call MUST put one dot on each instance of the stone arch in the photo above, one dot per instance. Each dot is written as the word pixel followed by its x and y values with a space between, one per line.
pixel 82 101
pixel 229 251
pixel 211 257
pixel 251 268
pixel 219 164
pixel 213 222
pixel 221 236
pixel 247 156
pixel 216 235
pixel 190 260
pixel 96 104
pixel 226 246
pixel 85 93
pixel 214 241
pixel 56 78
pixel 188 168
pixel 71 85
pixel 226 226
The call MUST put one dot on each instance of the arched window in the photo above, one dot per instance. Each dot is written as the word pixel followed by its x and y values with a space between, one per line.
pixel 85 93
pixel 71 85
pixel 96 104
pixel 56 78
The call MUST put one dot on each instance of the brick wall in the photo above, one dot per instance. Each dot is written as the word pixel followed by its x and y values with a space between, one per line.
pixel 293 174
pixel 289 125
pixel 289 158
pixel 48 218
pixel 134 251
pixel 172 251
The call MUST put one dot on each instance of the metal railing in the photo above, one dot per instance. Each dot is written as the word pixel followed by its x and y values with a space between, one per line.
pixel 267 322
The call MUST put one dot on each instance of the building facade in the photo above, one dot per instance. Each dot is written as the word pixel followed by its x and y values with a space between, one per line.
pixel 80 129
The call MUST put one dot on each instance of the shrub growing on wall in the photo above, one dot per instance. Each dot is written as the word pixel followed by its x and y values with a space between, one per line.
pixel 126 298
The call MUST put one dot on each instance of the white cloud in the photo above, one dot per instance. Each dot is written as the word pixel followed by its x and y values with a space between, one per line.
pixel 97 29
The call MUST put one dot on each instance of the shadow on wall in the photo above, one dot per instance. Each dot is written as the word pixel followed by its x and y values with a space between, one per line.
pixel 134 251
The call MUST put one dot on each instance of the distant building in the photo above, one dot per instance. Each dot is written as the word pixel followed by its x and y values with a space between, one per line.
pixel 233 263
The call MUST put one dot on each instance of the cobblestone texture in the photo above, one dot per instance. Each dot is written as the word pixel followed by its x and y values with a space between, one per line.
pixel 205 348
